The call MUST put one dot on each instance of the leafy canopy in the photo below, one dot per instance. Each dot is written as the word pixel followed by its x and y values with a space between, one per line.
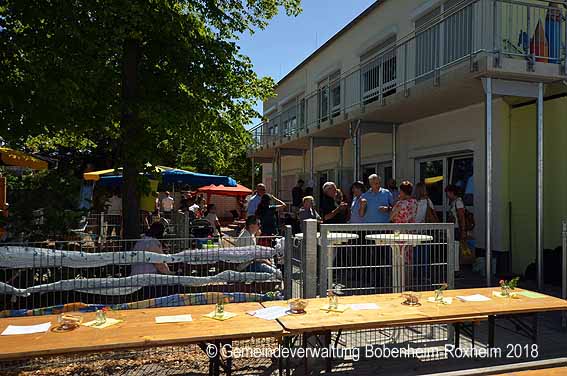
pixel 61 77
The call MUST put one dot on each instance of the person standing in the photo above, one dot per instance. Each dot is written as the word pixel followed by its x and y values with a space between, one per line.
pixel 377 202
pixel 268 215
pixel 405 209
pixel 425 208
pixel 356 214
pixel 393 188
pixel 331 212
pixel 167 204
pixel 297 195
pixel 256 198
pixel 456 211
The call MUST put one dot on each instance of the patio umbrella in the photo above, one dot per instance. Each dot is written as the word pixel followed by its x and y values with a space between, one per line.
pixel 221 190
pixel 169 176
pixel 176 176
pixel 11 157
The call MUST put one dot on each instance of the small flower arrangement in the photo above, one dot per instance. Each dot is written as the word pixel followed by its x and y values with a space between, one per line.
pixel 219 309
pixel 506 287
pixel 439 292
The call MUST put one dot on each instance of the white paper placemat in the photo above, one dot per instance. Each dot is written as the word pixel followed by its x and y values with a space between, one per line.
pixel 364 306
pixel 26 329
pixel 175 318
pixel 270 313
pixel 473 298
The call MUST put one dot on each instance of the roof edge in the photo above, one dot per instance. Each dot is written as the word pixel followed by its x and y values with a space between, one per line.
pixel 338 34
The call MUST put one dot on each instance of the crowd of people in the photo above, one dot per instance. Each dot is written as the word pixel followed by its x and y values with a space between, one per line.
pixel 405 203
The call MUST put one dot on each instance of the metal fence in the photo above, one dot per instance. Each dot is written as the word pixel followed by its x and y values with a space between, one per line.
pixel 359 259
pixel 533 31
pixel 145 272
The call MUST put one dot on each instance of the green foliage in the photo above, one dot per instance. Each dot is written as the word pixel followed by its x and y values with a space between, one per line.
pixel 42 205
pixel 63 60
pixel 157 80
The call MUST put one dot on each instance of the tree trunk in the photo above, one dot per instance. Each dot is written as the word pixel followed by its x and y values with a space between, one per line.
pixel 131 137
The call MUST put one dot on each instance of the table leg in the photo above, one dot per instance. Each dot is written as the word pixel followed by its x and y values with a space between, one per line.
pixel 457 327
pixel 304 344
pixel 397 269
pixel 329 360
pixel 491 328
pixel 228 369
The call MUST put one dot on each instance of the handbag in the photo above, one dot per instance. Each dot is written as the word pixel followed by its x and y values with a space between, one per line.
pixel 431 214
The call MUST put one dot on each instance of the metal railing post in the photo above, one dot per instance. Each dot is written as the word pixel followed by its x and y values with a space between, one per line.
pixel 288 260
pixel 451 259
pixel 310 262
pixel 325 263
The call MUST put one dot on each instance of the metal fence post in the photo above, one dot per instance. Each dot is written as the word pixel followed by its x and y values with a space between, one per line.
pixel 325 263
pixel 309 257
pixel 451 259
pixel 288 260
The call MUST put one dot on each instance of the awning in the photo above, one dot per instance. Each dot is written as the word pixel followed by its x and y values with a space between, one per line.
pixel 221 190
pixel 95 175
pixel 11 157
pixel 169 176
pixel 176 176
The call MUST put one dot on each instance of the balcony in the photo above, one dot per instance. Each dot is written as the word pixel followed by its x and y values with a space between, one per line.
pixel 522 40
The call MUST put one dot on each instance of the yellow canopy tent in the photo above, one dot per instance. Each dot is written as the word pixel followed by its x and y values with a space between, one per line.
pixel 15 158
pixel 11 157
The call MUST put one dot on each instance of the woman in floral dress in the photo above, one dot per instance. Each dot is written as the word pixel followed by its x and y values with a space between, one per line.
pixel 405 211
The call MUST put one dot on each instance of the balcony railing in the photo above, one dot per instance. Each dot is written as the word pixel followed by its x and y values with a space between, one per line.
pixel 531 30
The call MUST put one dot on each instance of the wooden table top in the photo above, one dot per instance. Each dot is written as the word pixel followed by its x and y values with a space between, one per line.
pixel 558 371
pixel 137 330
pixel 392 313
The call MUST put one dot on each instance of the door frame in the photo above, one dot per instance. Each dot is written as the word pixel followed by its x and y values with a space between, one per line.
pixel 447 174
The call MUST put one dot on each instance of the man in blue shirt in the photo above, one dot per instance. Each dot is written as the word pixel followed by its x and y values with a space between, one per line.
pixel 377 202
pixel 255 200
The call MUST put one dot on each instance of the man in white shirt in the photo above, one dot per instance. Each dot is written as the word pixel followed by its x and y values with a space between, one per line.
pixel 255 200
pixel 167 203
pixel 114 204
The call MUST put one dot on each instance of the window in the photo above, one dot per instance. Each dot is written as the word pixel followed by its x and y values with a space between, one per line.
pixel 330 96
pixel 302 113
pixel 427 44
pixel 289 118
pixel 379 68
pixel 441 43
pixel 457 31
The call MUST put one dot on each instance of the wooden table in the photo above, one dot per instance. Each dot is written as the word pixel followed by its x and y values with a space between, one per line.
pixel 139 330
pixel 397 243
pixel 392 313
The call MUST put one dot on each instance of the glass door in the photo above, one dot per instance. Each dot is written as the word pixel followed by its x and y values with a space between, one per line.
pixel 439 172
pixel 432 173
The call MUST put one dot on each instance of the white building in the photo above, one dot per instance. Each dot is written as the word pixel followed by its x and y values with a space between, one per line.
pixel 410 89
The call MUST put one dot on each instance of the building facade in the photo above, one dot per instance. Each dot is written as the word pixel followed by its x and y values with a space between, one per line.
pixel 465 92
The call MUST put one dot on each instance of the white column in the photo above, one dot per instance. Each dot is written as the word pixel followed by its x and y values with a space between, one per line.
pixel 394 150
pixel 355 133
pixel 488 188
pixel 539 188
pixel 312 162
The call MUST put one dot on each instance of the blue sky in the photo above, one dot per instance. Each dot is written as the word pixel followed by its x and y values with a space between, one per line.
pixel 289 40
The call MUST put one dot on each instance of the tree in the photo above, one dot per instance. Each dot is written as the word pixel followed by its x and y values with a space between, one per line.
pixel 152 76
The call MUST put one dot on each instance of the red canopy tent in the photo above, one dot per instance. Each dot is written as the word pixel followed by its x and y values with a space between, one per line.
pixel 221 190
